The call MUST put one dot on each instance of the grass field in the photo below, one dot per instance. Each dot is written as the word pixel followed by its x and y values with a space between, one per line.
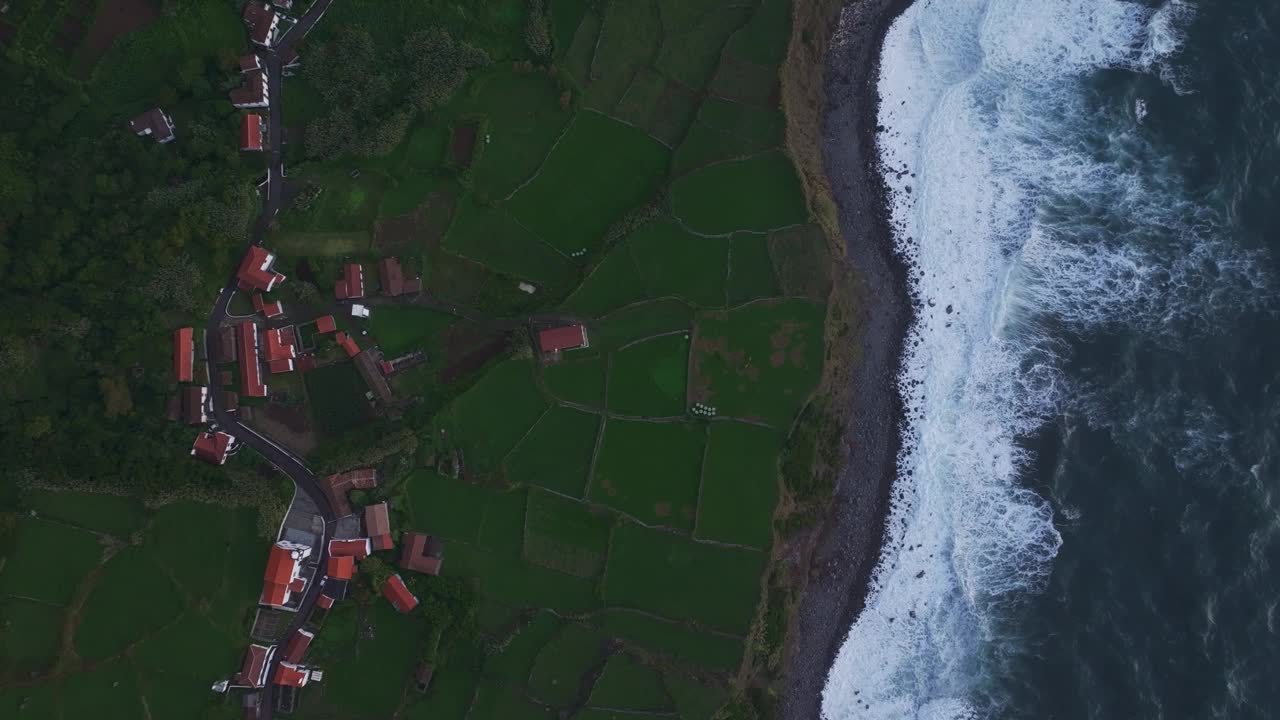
pixel 558 670
pixel 524 119
pixel 628 40
pixel 760 360
pixel 640 321
pixel 694 699
pixel 47 561
pixel 499 701
pixel 488 420
pixel 404 328
pixel 759 193
pixel 670 638
pixel 516 659
pixel 713 585
pixel 675 263
pixel 628 684
pixel 337 397
pixel 739 484
pixel 117 516
pixel 650 471
pixel 32 630
pixel 566 535
pixel 582 187
pixel 556 453
pixel 502 532
pixel 114 617
pixel 613 283
pixel 383 659
pixel 446 507
pixel 803 261
pixel 751 274
pixel 513 581
pixel 649 377
pixel 694 34
pixel 577 379
pixel 490 236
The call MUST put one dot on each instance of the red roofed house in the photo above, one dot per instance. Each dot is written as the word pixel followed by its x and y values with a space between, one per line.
pixel 387 367
pixel 297 646
pixel 184 353
pixel 326 324
pixel 249 62
pixel 281 349
pixel 154 123
pixel 291 675
pixel 252 127
pixel 341 567
pixel 421 552
pixel 283 576
pixel 211 447
pixel 395 591
pixel 262 22
pixel 348 344
pixel 251 384
pixel 324 602
pixel 253 671
pixel 393 282
pixel 569 337
pixel 194 400
pixel 254 90
pixel 358 548
pixel 269 309
pixel 351 285
pixel 337 486
pixel 377 525
pixel 255 270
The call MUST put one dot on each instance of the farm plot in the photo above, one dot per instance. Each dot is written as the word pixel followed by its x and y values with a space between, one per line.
pixel 523 119
pixel 500 701
pixel 759 360
pixel 759 193
pixel 674 262
pixel 727 130
pixel 803 261
pixel 710 584
pixel 628 40
pixel 449 696
pixel 337 398
pixel 580 190
pixel 649 378
pixel 746 82
pixel 638 105
pixel 31 634
pixel 556 453
pixel 446 507
pixel 695 33
pixel 650 470
pixel 628 684
pixel 490 236
pixel 487 421
pixel 739 484
pixel 694 698
pixel 577 379
pixel 174 689
pixel 117 516
pixel 613 283
pixel 108 691
pixel 764 39
pixel 510 580
pixel 382 660
pixel 566 535
pixel 670 638
pixel 559 669
pixel 637 322
pixel 581 50
pixel 47 562
pixel 502 532
pixel 403 328
pixel 113 618
pixel 515 660
pixel 751 274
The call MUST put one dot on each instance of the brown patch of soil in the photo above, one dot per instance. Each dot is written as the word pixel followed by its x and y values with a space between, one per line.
pixel 468 348
pixel 662 509
pixel 115 18
pixel 289 425
pixel 7 32
pixel 464 144
pixel 777 358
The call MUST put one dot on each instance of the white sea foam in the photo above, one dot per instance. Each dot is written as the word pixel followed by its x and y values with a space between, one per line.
pixel 1027 209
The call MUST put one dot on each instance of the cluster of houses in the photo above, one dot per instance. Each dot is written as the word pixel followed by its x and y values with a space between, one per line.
pixel 293 566
pixel 254 93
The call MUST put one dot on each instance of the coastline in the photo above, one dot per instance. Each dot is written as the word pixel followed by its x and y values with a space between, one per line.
pixel 846 547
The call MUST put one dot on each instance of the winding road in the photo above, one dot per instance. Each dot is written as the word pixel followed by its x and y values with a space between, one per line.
pixel 278 455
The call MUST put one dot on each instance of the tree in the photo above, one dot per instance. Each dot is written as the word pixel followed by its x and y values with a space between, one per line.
pixel 537 34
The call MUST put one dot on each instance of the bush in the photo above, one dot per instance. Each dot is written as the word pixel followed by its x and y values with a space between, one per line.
pixel 438 66
pixel 537 33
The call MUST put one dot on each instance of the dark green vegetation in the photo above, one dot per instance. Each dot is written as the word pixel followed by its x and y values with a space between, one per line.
pixel 100 636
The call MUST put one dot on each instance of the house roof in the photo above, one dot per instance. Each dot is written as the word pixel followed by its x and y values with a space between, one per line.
pixel 335 487
pixel 373 377
pixel 326 324
pixel 358 548
pixel 421 552
pixel 269 309
pixel 184 353
pixel 562 338
pixel 193 397
pixel 280 344
pixel 211 447
pixel 324 602
pixel 347 343
pixel 255 270
pixel 253 669
pixel 377 523
pixel 387 367
pixel 351 285
pixel 391 276
pixel 249 62
pixel 261 20
pixel 394 590
pixel 154 123
pixel 252 90
pixel 251 384
pixel 341 567
pixel 282 567
pixel 289 674
pixel 251 132
pixel 297 645
pixel 424 672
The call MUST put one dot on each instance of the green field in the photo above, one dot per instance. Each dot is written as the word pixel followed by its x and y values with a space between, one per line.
pixel 759 361
pixel 556 453
pixel 447 507
pixel 650 470
pixel 523 120
pixel 751 273
pixel 649 377
pixel 577 379
pixel 739 484
pixel 759 193
pixel 628 684
pixel 558 669
pixel 613 283
pixel 580 189
pixel 674 262
pixel 117 516
pixel 628 39
pixel 488 420
pixel 46 561
pixel 566 535
pixel 337 397
pixel 637 322
pixel 490 236
pixel 404 328
pixel 131 599
pixel 31 634
pixel 670 638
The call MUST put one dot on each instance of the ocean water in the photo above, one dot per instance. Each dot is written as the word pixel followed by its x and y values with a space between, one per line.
pixel 1086 520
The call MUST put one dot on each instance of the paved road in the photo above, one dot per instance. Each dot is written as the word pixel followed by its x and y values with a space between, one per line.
pixel 277 454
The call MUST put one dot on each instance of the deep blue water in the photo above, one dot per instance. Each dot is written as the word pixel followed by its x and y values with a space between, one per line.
pixel 1092 521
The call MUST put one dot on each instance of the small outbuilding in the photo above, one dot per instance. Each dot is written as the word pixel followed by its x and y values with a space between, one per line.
pixel 155 124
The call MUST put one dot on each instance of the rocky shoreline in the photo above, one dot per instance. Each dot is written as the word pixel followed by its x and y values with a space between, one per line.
pixel 847 546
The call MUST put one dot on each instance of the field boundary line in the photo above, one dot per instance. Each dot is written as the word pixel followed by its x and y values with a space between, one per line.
pixel 645 301
pixel 503 462
pixel 702 474
pixel 604 420
pixel 567 126
pixel 647 338
pixel 688 624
